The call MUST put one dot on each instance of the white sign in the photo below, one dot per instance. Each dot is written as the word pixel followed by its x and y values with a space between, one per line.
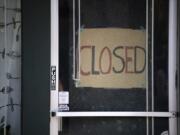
pixel 64 97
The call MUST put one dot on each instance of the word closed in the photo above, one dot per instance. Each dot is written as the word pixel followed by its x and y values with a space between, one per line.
pixel 127 58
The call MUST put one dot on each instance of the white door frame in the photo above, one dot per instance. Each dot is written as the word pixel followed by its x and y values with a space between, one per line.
pixel 54 122
pixel 172 64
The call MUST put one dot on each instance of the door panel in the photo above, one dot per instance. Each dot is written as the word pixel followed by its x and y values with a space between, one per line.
pixel 152 19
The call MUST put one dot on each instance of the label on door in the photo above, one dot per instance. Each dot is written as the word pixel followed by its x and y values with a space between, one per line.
pixel 53 78
pixel 63 101
pixel 64 97
pixel 112 58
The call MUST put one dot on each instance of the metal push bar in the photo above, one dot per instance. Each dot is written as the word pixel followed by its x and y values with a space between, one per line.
pixel 115 114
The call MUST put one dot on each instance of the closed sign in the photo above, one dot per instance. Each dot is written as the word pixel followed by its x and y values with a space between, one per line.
pixel 112 58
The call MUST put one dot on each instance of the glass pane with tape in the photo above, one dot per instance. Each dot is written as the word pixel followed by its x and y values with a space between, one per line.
pixel 103 54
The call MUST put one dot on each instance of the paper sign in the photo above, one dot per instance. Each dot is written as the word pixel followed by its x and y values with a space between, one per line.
pixel 64 97
pixel 112 58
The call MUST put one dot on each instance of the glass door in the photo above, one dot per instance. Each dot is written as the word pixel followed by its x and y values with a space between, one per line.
pixel 110 68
